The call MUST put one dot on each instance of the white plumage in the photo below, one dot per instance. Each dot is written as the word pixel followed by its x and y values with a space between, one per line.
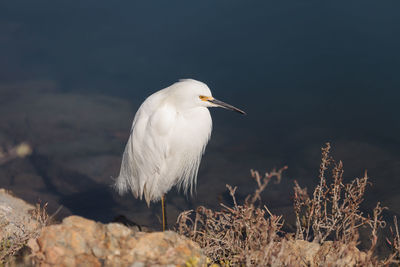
pixel 169 134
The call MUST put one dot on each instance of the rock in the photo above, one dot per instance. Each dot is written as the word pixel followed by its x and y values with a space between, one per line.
pixel 81 242
pixel 314 254
pixel 16 219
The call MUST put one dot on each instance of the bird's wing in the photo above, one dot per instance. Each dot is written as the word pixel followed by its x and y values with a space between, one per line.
pixel 146 150
pixel 154 151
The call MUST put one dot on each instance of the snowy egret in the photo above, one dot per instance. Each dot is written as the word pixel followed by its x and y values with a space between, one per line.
pixel 168 136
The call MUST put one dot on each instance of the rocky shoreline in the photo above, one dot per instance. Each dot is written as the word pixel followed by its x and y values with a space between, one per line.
pixel 77 241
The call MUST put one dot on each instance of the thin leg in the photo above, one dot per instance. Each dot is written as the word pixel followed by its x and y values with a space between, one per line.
pixel 164 213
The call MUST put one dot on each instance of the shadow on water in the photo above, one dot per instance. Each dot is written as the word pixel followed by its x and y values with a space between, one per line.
pixel 77 192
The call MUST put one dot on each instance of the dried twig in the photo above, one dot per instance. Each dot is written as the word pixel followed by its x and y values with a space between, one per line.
pixel 249 234
pixel 334 211
pixel 11 244
pixel 263 182
pixel 242 234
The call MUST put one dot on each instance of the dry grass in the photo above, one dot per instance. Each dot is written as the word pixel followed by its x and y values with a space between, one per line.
pixel 12 243
pixel 237 234
pixel 334 209
pixel 394 242
pixel 327 225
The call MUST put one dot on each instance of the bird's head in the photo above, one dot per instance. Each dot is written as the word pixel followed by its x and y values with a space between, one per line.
pixel 191 93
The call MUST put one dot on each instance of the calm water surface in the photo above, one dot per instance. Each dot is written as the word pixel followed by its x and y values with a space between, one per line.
pixel 72 75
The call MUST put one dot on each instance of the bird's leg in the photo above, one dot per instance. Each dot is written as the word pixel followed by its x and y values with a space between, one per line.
pixel 164 213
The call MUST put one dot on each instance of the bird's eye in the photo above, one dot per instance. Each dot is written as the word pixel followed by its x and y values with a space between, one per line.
pixel 204 98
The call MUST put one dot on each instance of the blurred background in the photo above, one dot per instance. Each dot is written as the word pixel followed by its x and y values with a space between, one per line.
pixel 73 74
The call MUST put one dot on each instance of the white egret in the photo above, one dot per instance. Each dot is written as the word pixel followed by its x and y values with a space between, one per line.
pixel 169 134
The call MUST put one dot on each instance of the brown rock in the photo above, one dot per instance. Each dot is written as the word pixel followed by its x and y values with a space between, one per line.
pixel 15 215
pixel 17 223
pixel 313 254
pixel 82 242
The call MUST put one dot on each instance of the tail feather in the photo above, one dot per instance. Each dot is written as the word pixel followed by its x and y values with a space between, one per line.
pixel 126 180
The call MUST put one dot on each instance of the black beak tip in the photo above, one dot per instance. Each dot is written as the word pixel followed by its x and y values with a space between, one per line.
pixel 226 106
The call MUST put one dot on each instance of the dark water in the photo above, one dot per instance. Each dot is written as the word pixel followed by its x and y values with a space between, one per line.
pixel 72 75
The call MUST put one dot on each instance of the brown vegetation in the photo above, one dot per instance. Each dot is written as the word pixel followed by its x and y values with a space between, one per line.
pixel 327 225
pixel 244 234
pixel 12 242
